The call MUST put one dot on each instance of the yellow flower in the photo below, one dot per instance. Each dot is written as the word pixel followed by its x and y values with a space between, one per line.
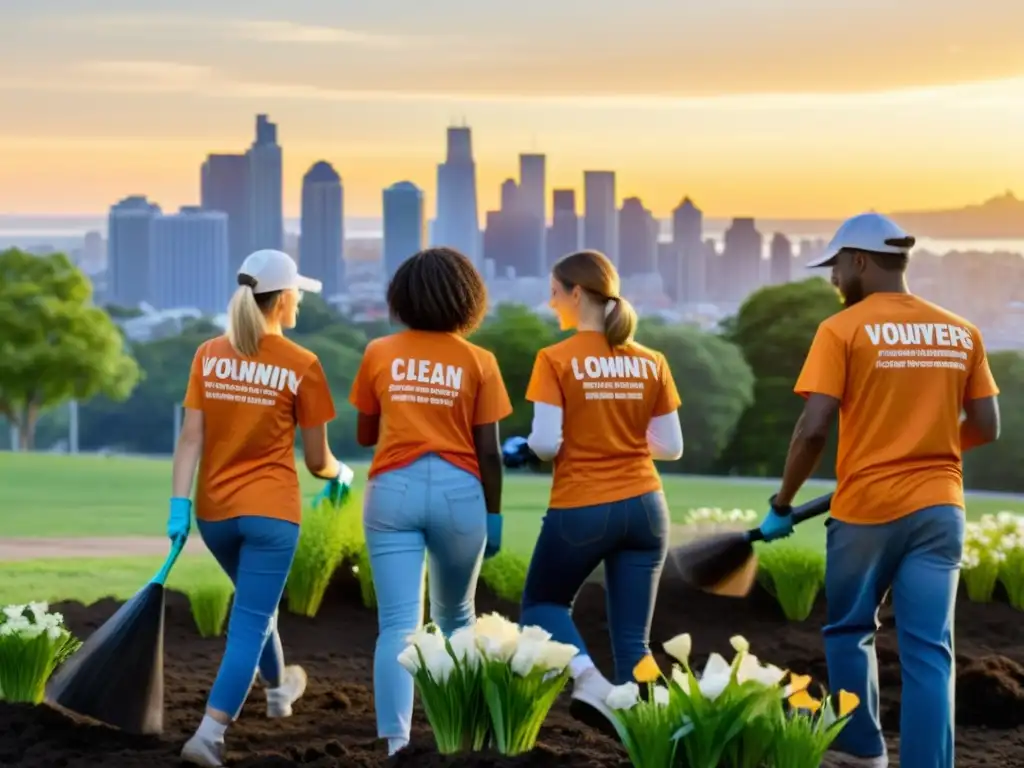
pixel 797 683
pixel 647 670
pixel 804 700
pixel 847 703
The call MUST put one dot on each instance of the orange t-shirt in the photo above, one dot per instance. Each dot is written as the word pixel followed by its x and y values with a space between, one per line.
pixel 608 398
pixel 430 389
pixel 251 407
pixel 902 369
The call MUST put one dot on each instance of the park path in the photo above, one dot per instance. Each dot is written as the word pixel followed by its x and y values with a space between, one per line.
pixel 81 547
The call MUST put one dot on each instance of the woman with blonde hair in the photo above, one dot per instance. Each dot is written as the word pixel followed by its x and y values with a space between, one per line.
pixel 247 393
pixel 605 408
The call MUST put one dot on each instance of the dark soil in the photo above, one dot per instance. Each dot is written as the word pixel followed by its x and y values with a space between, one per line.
pixel 334 725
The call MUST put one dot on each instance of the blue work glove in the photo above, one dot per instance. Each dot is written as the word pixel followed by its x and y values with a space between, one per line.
pixel 778 523
pixel 179 521
pixel 336 489
pixel 515 453
pixel 493 535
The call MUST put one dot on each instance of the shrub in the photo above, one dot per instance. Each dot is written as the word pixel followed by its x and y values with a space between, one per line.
pixel 33 643
pixel 984 556
pixel 328 537
pixel 794 575
pixel 210 603
pixel 364 574
pixel 505 574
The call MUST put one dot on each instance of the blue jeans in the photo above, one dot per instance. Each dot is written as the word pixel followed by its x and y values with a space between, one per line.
pixel 431 508
pixel 918 558
pixel 256 553
pixel 631 538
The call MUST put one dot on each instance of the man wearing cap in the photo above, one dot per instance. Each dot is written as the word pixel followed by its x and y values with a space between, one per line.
pixel 911 384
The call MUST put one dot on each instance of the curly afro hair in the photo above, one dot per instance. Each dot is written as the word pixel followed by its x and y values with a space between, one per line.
pixel 438 289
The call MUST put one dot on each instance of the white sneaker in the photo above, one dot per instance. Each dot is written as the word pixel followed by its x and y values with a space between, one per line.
pixel 200 750
pixel 589 692
pixel 280 699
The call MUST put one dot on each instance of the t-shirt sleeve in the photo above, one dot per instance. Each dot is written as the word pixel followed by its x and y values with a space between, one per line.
pixel 824 371
pixel 314 404
pixel 544 386
pixel 363 396
pixel 194 393
pixel 492 401
pixel 668 396
pixel 980 381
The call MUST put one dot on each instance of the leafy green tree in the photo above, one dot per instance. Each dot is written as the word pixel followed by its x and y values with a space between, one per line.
pixel 716 386
pixel 997 467
pixel 54 343
pixel 774 329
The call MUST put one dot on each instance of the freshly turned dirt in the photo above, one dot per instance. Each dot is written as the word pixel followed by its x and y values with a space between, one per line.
pixel 334 725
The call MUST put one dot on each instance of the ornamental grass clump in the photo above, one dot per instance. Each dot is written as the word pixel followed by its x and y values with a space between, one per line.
pixel 794 575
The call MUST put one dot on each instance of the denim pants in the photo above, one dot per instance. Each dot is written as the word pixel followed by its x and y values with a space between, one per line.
pixel 256 553
pixel 631 538
pixel 431 508
pixel 918 558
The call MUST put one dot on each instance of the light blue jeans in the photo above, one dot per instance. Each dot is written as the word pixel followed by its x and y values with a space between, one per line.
pixel 918 558
pixel 256 553
pixel 430 508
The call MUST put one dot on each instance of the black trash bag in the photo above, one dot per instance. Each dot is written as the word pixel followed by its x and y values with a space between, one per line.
pixel 117 676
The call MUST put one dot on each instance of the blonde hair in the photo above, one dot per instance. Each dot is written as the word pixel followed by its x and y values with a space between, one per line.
pixel 595 274
pixel 247 322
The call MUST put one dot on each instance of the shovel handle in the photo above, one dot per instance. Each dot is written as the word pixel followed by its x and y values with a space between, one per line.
pixel 177 545
pixel 813 508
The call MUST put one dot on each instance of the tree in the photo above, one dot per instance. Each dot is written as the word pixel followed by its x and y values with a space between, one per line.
pixel 716 386
pixel 774 329
pixel 997 467
pixel 54 344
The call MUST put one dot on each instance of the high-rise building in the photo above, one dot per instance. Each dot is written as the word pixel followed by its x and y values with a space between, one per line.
pixel 266 196
pixel 510 237
pixel 190 260
pixel 130 250
pixel 322 238
pixel 741 259
pixel 781 258
pixel 564 234
pixel 638 239
pixel 533 202
pixel 458 221
pixel 687 237
pixel 403 224
pixel 225 187
pixel 600 217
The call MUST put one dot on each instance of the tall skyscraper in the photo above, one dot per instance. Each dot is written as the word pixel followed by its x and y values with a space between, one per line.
pixel 403 224
pixel 638 239
pixel 741 259
pixel 458 221
pixel 687 237
pixel 130 250
pixel 190 260
pixel 781 258
pixel 322 241
pixel 511 235
pixel 225 187
pixel 266 196
pixel 564 235
pixel 533 202
pixel 600 218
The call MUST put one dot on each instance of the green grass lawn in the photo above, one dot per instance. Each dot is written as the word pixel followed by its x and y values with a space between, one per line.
pixel 68 496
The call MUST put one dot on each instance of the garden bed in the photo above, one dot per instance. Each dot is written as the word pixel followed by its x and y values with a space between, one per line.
pixel 334 723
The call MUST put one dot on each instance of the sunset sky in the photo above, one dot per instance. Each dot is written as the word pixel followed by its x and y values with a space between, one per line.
pixel 773 108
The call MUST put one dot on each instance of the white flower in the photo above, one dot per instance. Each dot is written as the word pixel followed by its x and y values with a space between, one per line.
pixel 750 669
pixel 410 659
pixel 739 643
pixel 463 642
pixel 555 657
pixel 526 657
pixel 533 633
pixel 38 610
pixel 623 696
pixel 14 611
pixel 439 662
pixel 716 677
pixel 679 648
pixel 496 637
pixel 661 695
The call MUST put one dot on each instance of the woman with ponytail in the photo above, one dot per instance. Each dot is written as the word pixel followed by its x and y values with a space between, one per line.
pixel 605 408
pixel 247 393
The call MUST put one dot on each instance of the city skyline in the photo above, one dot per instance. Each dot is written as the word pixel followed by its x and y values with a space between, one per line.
pixel 754 119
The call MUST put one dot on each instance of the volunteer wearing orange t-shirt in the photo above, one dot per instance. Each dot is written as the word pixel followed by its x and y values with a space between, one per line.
pixel 604 408
pixel 431 402
pixel 899 371
pixel 247 393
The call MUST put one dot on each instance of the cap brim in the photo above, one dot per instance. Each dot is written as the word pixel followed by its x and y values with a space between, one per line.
pixel 827 259
pixel 308 284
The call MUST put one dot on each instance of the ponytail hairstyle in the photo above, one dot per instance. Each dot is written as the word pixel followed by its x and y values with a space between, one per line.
pixel 247 316
pixel 596 276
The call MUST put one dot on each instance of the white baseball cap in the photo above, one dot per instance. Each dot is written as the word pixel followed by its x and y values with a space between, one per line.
pixel 867 232
pixel 269 270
